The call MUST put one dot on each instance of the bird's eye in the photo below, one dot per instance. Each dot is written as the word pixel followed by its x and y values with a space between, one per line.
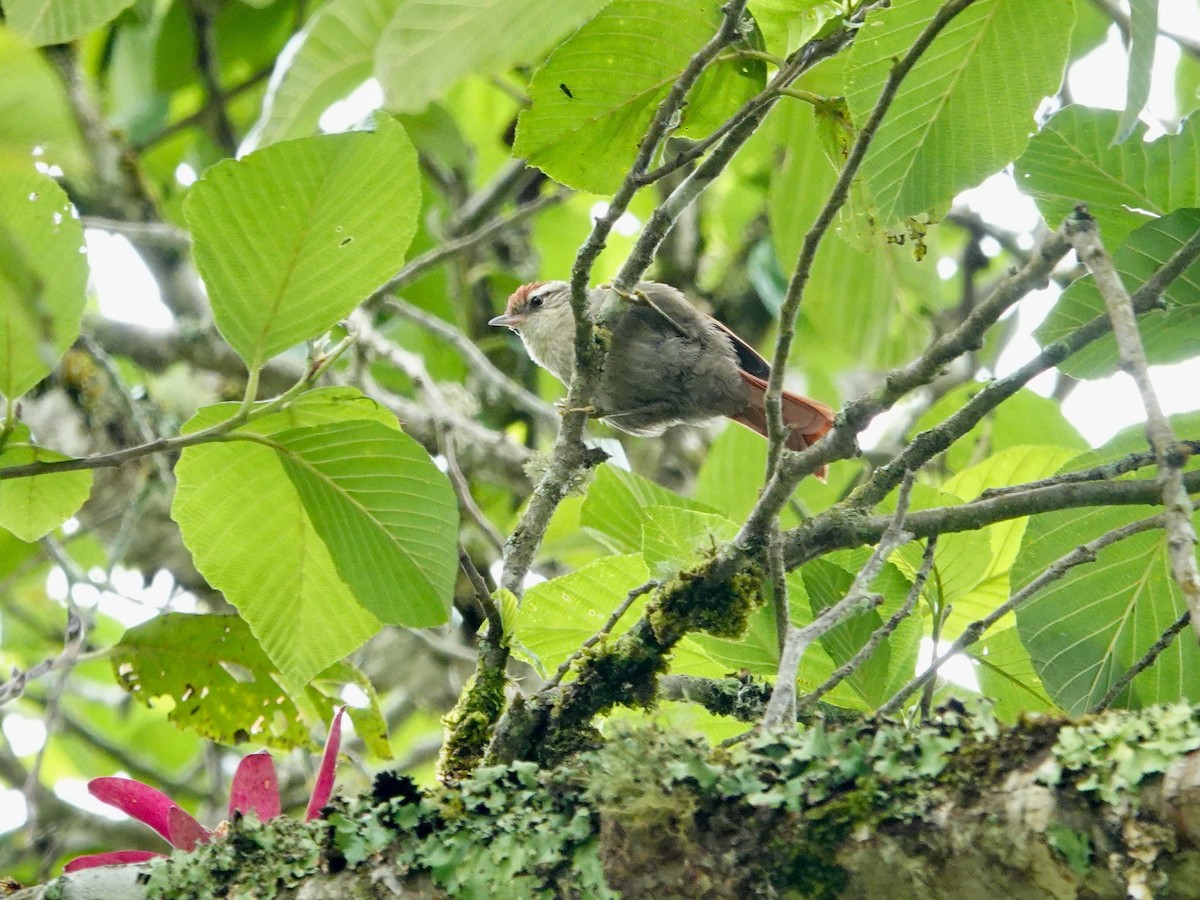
pixel 535 302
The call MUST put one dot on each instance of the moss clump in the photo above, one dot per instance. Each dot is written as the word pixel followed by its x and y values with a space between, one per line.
pixel 469 724
pixel 253 859
pixel 706 598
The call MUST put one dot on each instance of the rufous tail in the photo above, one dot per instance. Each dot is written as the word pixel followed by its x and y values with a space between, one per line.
pixel 806 419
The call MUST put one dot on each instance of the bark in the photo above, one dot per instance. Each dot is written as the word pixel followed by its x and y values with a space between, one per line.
pixel 957 808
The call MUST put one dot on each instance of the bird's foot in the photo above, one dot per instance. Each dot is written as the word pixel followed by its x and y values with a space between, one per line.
pixel 563 409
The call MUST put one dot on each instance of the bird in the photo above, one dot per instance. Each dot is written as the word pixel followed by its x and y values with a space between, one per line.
pixel 667 364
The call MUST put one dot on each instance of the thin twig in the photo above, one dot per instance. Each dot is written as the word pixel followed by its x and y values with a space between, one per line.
pixel 781 707
pixel 1107 472
pixel 605 629
pixel 494 381
pixel 219 431
pixel 482 595
pixel 1171 455
pixel 1085 553
pixel 417 266
pixel 879 634
pixel 1164 641
pixel 204 30
pixel 462 490
pixel 776 428
pixel 158 233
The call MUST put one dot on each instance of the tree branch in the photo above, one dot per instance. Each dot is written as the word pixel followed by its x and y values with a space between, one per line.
pixel 1172 456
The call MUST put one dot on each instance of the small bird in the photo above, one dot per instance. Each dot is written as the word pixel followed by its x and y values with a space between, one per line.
pixel 668 363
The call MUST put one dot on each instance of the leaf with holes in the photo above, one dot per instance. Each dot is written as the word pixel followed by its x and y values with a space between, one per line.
pixel 218 679
pixel 291 238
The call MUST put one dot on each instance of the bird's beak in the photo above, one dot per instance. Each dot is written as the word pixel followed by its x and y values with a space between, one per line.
pixel 508 320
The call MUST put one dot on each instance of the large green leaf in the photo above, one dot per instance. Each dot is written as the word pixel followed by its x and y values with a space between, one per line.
pixel 1025 418
pixel 1006 675
pixel 615 504
pixel 674 538
pixel 1169 334
pixel 34 111
pixel 42 278
pixel 45 22
pixel 953 122
pixel 1013 465
pixel 33 506
pixel 877 678
pixel 319 523
pixel 291 238
pixel 1084 631
pixel 430 44
pixel 1072 160
pixel 558 615
pixel 336 55
pixel 599 90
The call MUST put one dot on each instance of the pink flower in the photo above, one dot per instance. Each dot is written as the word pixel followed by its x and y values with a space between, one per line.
pixel 255 788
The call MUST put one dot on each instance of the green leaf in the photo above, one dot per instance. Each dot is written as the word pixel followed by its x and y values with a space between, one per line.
pixel 558 615
pixel 614 507
pixel 1014 465
pixel 45 22
pixel 326 525
pixel 1143 30
pixel 42 281
pixel 370 726
pixel 673 538
pixel 429 45
pixel 33 506
pixel 600 89
pixel 1022 419
pixel 952 122
pixel 34 111
pixel 336 55
pixel 1007 677
pixel 1168 335
pixel 1084 631
pixel 213 676
pixel 1071 160
pixel 876 679
pixel 732 473
pixel 291 238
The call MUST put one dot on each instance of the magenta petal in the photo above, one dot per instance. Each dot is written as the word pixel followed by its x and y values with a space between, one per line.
pixel 112 858
pixel 133 798
pixel 186 832
pixel 255 787
pixel 324 786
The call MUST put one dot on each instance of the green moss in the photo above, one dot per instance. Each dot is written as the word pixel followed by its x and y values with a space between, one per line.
pixel 703 599
pixel 252 859
pixel 470 723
